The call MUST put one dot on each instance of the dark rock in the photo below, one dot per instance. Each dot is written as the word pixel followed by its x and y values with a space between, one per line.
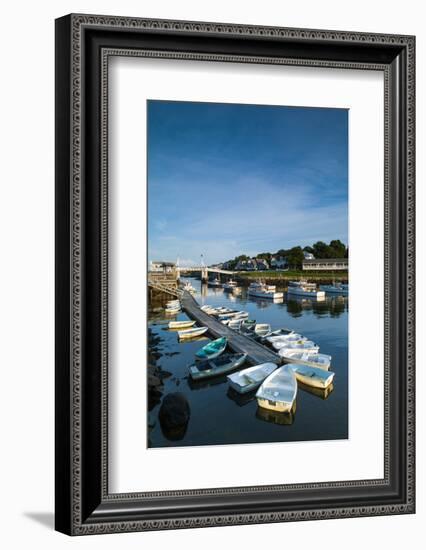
pixel 174 416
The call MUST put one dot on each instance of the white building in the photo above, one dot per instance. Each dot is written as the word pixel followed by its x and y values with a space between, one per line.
pixel 326 264
pixel 161 267
pixel 308 256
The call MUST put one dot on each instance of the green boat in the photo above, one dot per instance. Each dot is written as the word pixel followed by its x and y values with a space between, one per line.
pixel 212 349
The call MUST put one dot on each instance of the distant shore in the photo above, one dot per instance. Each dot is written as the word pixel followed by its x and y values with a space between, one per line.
pixel 278 277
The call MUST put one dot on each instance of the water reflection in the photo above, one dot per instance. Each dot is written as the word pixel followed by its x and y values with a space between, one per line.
pixel 219 415
pixel 240 399
pixel 322 393
pixel 206 383
pixel 281 418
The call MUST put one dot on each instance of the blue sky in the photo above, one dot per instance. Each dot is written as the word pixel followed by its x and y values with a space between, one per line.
pixel 226 179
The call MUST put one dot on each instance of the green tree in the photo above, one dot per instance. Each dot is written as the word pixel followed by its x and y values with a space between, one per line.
pixel 338 248
pixel 322 250
pixel 295 257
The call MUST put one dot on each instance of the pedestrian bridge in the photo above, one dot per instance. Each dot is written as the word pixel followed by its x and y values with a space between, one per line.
pixel 203 270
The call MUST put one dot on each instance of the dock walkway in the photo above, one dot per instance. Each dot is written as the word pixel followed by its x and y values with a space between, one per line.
pixel 257 353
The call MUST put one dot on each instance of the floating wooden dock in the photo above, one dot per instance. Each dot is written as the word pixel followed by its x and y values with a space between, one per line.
pixel 257 353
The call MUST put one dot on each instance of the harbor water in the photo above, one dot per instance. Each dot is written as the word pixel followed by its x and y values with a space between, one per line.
pixel 219 416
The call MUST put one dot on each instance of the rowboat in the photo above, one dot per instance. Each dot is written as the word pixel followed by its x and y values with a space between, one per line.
pixel 214 367
pixel 235 324
pixel 214 282
pixel 320 360
pixel 249 323
pixel 312 376
pixel 230 314
pixel 212 349
pixel 205 307
pixel 291 337
pixel 249 379
pixel 300 345
pixel 279 332
pixel 181 324
pixel 241 315
pixel 262 329
pixel 172 310
pixel 191 332
pixel 278 391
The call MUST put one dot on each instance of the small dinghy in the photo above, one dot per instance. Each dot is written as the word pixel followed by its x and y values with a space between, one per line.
pixel 320 360
pixel 249 379
pixel 278 391
pixel 235 324
pixel 291 337
pixel 212 349
pixel 300 345
pixel 249 324
pixel 181 324
pixel 173 303
pixel 225 321
pixel 231 314
pixel 312 376
pixel 241 315
pixel 172 310
pixel 191 332
pixel 205 307
pixel 214 367
pixel 262 329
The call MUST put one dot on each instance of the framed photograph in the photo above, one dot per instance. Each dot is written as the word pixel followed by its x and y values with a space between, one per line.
pixel 234 274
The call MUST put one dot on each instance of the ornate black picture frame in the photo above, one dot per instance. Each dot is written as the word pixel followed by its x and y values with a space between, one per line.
pixel 84 44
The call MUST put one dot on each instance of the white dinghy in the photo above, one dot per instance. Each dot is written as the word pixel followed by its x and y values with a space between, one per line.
pixel 290 337
pixel 181 324
pixel 312 376
pixel 191 332
pixel 278 391
pixel 247 380
pixel 262 329
pixel 320 360
pixel 235 324
pixel 300 345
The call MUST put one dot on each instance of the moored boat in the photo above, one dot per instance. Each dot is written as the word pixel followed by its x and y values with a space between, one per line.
pixel 290 337
pixel 235 324
pixel 278 391
pixel 230 286
pixel 319 360
pixel 227 362
pixel 312 376
pixel 181 324
pixel 336 288
pixel 214 282
pixel 212 349
pixel 191 332
pixel 300 345
pixel 262 329
pixel 261 290
pixel 249 379
pixel 172 310
pixel 303 288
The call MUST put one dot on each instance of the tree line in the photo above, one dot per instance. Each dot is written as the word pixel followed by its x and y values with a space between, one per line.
pixel 295 255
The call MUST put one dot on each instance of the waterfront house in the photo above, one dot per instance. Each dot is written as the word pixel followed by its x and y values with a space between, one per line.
pixel 326 264
pixel 261 264
pixel 279 262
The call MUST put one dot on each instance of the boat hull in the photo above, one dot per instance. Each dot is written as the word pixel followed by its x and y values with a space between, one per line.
pixel 183 335
pixel 216 370
pixel 277 406
pixel 267 295
pixel 306 293
pixel 313 377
